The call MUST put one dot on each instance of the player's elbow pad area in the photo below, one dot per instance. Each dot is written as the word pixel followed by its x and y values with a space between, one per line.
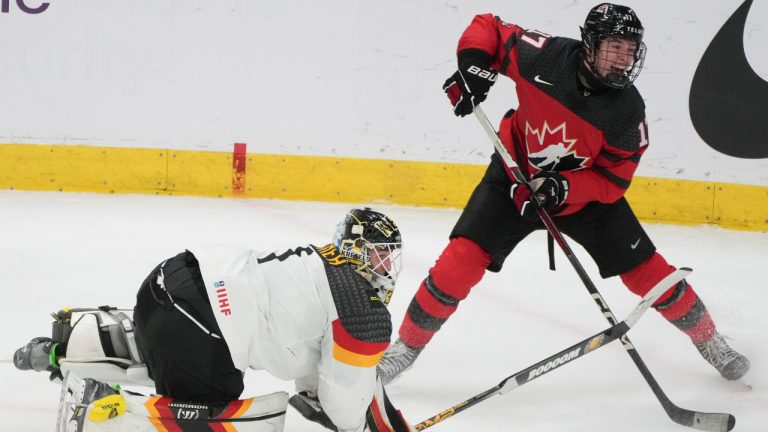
pixel 354 351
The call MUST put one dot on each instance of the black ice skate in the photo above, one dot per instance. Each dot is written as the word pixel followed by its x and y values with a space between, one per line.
pixel 728 362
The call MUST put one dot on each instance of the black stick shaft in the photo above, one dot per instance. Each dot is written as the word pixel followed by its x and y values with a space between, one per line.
pixel 533 372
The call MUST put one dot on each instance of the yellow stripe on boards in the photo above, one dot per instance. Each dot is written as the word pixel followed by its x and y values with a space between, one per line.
pixel 354 180
pixel 332 179
pixel 682 201
pixel 741 207
pixel 82 168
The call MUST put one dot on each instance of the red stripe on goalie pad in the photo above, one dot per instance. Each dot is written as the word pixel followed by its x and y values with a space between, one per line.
pixel 231 409
pixel 161 405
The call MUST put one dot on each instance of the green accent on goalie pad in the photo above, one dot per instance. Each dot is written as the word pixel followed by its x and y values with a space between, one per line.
pixel 52 360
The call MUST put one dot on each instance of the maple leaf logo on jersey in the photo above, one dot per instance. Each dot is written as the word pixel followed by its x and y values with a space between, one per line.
pixel 550 149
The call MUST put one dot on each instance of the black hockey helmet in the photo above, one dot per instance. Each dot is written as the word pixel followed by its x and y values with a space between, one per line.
pixel 610 20
pixel 371 242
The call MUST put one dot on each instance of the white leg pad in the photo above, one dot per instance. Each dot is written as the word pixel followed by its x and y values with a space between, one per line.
pixel 101 370
pixel 155 413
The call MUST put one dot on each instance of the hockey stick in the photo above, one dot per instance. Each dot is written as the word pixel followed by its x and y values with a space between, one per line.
pixel 713 422
pixel 565 356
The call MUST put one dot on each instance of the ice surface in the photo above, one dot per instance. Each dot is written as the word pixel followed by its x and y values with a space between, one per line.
pixel 62 249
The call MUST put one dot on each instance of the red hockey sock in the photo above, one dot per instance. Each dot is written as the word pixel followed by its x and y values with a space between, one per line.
pixel 459 268
pixel 679 305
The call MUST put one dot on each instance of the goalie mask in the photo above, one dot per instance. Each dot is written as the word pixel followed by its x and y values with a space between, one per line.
pixel 612 45
pixel 371 242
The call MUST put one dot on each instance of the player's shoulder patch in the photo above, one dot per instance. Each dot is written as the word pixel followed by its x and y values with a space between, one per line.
pixel 331 255
pixel 364 327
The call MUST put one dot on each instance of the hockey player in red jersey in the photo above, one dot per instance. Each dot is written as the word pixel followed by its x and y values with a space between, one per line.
pixel 315 315
pixel 578 135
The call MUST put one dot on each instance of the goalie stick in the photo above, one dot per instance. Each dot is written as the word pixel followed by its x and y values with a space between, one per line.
pixel 713 422
pixel 310 409
pixel 565 356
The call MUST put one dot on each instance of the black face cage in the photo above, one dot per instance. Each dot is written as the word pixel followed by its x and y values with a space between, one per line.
pixel 591 46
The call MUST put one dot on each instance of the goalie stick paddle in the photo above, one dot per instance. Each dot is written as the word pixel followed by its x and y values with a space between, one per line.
pixel 312 411
pixel 712 422
pixel 565 356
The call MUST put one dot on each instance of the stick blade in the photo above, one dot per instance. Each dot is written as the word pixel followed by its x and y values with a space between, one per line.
pixel 711 422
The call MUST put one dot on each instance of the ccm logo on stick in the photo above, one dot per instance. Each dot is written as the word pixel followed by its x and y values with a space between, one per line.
pixel 5 6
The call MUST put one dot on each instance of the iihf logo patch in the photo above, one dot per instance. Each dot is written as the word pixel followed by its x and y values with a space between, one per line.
pixel 218 284
pixel 550 149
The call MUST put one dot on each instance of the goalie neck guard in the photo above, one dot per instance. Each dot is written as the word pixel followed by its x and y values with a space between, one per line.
pixel 371 243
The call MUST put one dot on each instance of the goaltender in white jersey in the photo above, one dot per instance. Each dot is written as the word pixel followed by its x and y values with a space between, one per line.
pixel 315 315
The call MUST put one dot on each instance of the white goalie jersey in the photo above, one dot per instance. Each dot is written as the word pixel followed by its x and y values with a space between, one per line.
pixel 302 314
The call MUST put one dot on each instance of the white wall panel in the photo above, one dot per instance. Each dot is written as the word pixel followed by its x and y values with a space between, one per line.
pixel 336 78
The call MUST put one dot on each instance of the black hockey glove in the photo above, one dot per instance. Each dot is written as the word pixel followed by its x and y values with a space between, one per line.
pixel 547 189
pixel 469 85
pixel 550 189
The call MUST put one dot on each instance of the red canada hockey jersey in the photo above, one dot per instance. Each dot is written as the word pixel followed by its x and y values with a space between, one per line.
pixel 594 140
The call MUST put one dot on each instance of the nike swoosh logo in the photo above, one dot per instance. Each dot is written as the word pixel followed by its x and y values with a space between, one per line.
pixel 634 245
pixel 538 79
pixel 727 98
